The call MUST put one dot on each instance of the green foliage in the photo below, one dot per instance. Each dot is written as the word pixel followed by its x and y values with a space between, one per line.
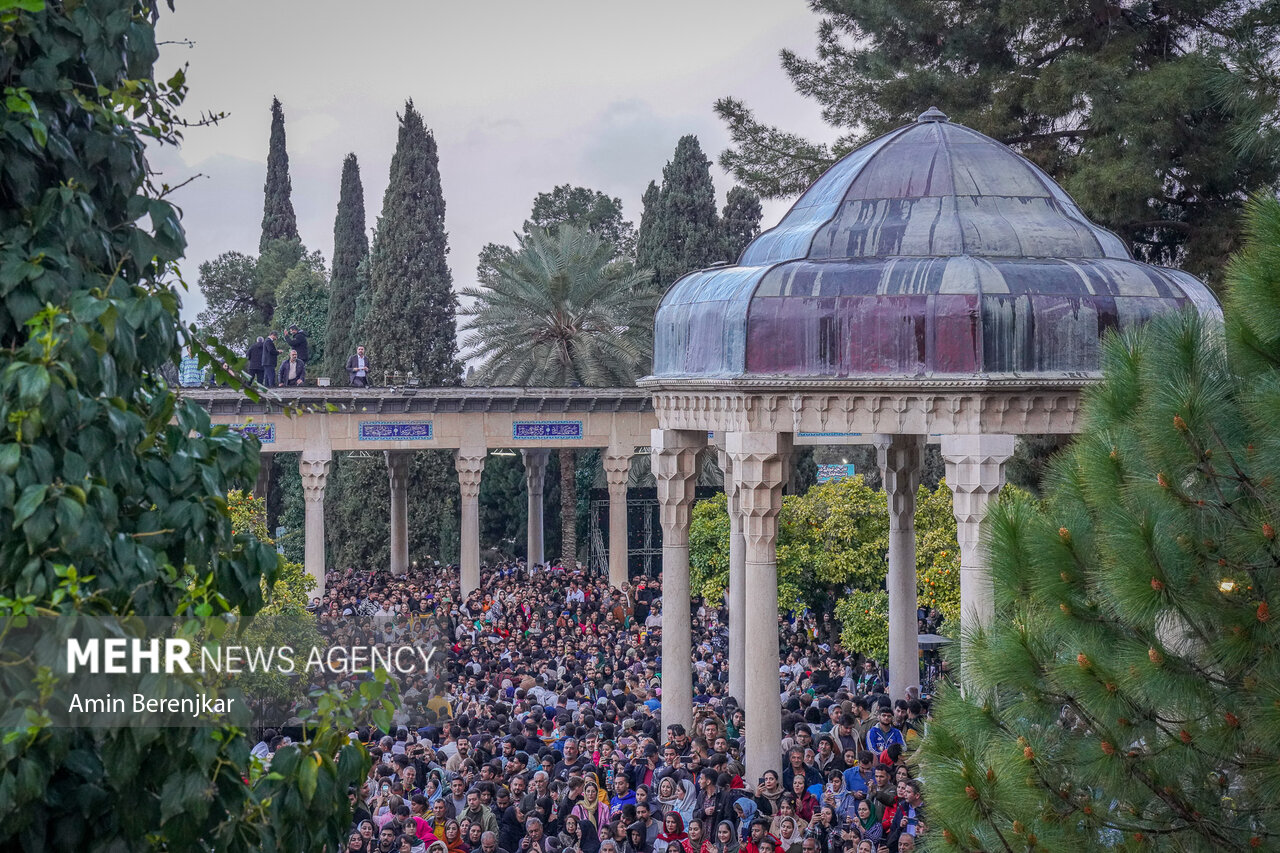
pixel 1159 119
pixel 740 221
pixel 278 220
pixel 680 230
pixel 410 325
pixel 503 502
pixel 284 621
pixel 111 488
pixel 938 554
pixel 709 548
pixel 864 623
pixel 302 299
pixel 587 209
pixel 358 513
pixel 238 309
pixel 1125 695
pixel 832 539
pixel 241 293
pixel 558 313
pixel 350 250
pixel 834 536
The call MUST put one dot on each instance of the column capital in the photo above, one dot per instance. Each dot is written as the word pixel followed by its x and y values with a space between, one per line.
pixel 900 458
pixel 398 462
pixel 975 471
pixel 617 468
pixel 759 464
pixel 675 467
pixel 470 467
pixel 314 468
pixel 535 468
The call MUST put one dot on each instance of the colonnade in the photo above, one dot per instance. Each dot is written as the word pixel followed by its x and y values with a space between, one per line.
pixel 756 468
pixel 468 462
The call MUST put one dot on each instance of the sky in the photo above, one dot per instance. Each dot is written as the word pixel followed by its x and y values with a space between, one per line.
pixel 521 97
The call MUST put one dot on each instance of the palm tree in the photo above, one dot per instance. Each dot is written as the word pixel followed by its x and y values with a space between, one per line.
pixel 561 312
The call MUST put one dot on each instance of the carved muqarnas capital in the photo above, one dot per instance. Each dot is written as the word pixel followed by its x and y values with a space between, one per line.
pixel 315 475
pixel 470 469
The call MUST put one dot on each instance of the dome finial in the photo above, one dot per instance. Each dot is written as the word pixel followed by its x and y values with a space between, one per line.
pixel 932 114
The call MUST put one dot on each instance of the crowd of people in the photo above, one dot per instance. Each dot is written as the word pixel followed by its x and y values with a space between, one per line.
pixel 538 731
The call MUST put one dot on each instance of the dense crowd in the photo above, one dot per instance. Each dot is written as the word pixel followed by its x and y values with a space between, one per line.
pixel 539 728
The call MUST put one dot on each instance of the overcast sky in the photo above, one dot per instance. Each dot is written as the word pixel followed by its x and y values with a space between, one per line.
pixel 521 96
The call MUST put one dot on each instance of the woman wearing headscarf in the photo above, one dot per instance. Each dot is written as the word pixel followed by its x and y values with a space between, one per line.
pixel 453 839
pixel 672 838
pixel 579 834
pixel 725 839
pixel 679 796
pixel 590 808
pixel 745 809
pixel 637 839
pixel 789 838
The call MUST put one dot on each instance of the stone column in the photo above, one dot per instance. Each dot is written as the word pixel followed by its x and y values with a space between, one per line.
pixel 314 468
pixel 900 458
pixel 737 587
pixel 675 466
pixel 759 469
pixel 470 465
pixel 617 467
pixel 535 472
pixel 398 473
pixel 975 473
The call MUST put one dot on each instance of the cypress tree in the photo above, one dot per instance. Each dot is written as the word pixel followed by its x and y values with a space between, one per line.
pixel 741 221
pixel 646 235
pixel 684 231
pixel 412 306
pixel 350 248
pixel 278 220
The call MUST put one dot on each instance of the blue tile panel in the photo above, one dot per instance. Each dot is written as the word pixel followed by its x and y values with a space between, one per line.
pixel 266 432
pixel 537 430
pixel 394 430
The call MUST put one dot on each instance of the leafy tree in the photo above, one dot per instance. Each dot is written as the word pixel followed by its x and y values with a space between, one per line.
pixel 709 548
pixel 237 308
pixel 111 488
pixel 412 305
pixel 740 221
pixel 832 540
pixel 1125 695
pixel 241 292
pixel 1157 118
pixel 834 536
pixel 350 249
pixel 560 314
pixel 580 207
pixel 584 208
pixel 863 615
pixel 302 299
pixel 683 232
pixel 278 220
pixel 284 621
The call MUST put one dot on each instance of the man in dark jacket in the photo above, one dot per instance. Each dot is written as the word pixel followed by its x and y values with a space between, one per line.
pixel 270 360
pixel 298 340
pixel 293 371
pixel 257 354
